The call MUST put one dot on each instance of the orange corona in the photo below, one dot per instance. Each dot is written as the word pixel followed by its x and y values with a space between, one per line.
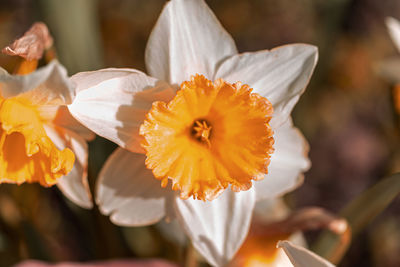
pixel 210 136
pixel 26 153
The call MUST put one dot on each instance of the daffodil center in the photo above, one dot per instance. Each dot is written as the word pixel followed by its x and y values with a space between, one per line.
pixel 201 131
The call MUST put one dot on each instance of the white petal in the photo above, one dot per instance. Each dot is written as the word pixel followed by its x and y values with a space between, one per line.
pixel 394 30
pixel 74 185
pixel 217 228
pixel 116 107
pixel 301 257
pixel 288 162
pixel 280 75
pixel 186 40
pixel 88 79
pixel 46 86
pixel 128 191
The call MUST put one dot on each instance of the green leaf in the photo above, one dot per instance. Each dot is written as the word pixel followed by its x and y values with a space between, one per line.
pixel 359 213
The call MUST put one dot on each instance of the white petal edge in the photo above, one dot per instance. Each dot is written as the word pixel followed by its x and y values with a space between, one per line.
pixel 281 74
pixel 88 79
pixel 114 108
pixel 128 192
pixel 393 26
pixel 48 85
pixel 288 163
pixel 301 257
pixel 217 228
pixel 187 39
pixel 74 185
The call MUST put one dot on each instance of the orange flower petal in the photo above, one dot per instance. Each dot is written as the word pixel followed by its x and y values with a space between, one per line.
pixel 209 136
pixel 26 153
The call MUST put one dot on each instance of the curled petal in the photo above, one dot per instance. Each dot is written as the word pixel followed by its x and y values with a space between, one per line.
pixel 217 228
pixel 288 163
pixel 74 185
pixel 46 86
pixel 281 75
pixel 187 39
pixel 128 192
pixel 32 44
pixel 113 103
pixel 301 257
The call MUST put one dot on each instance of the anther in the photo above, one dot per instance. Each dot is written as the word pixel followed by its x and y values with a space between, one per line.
pixel 201 130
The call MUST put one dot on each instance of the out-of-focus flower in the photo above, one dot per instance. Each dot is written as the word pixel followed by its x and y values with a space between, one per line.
pixel 189 47
pixel 394 31
pixel 39 140
pixel 272 222
pixel 260 249
pixel 302 257
pixel 391 68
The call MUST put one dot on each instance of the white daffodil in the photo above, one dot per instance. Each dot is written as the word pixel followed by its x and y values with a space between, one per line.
pixel 210 141
pixel 302 257
pixel 40 141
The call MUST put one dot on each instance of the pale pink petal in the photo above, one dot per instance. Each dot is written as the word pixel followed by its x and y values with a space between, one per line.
pixel 281 75
pixel 32 44
pixel 302 257
pixel 288 163
pixel 187 39
pixel 217 228
pixel 128 192
pixel 394 30
pixel 48 85
pixel 74 185
pixel 114 108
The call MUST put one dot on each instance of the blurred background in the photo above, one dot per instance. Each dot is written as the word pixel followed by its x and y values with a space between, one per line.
pixel 347 114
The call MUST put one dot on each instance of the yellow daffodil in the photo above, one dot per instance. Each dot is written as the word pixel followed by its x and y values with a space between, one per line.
pixel 39 140
pixel 209 125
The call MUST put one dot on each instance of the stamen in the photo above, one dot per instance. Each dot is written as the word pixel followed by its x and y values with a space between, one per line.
pixel 202 131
